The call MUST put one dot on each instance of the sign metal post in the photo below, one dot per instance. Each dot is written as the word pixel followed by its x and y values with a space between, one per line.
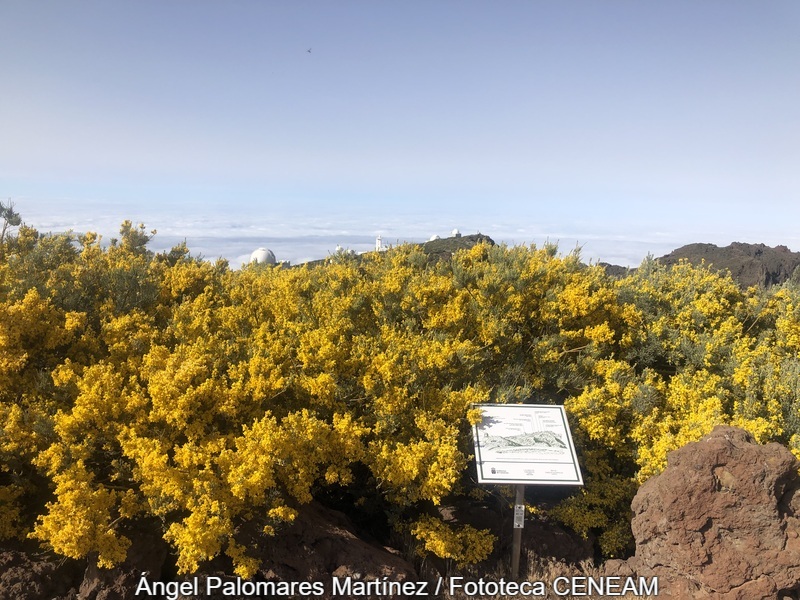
pixel 519 523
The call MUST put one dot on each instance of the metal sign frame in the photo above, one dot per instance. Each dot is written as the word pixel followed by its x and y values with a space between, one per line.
pixel 529 444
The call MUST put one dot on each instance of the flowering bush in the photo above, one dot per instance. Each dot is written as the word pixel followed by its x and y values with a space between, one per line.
pixel 140 386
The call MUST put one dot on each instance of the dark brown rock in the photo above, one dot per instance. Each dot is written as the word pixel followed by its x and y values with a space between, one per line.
pixel 37 575
pixel 322 542
pixel 147 554
pixel 319 545
pixel 721 522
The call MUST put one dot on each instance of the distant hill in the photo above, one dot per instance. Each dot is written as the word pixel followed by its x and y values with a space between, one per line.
pixel 440 249
pixel 444 248
pixel 617 270
pixel 748 264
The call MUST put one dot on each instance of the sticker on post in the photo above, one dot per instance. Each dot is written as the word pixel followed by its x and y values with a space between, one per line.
pixel 519 516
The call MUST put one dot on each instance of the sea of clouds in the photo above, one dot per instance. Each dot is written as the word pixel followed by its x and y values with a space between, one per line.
pixel 299 237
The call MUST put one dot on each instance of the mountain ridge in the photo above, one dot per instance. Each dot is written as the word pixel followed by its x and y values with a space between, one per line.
pixel 748 264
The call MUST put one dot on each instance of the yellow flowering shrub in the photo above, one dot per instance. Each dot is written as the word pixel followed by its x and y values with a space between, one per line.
pixel 137 387
pixel 465 545
pixel 82 519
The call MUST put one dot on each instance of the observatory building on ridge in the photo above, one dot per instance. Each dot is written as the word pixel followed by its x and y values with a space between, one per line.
pixel 263 256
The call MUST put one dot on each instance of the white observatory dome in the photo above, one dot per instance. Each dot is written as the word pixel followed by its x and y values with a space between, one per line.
pixel 456 233
pixel 263 256
pixel 433 238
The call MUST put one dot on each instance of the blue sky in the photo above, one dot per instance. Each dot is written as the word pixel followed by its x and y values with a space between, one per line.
pixel 623 127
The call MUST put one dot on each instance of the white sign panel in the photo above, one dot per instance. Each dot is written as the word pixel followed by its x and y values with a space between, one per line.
pixel 525 444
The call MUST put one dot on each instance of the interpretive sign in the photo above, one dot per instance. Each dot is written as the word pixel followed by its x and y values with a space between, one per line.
pixel 525 444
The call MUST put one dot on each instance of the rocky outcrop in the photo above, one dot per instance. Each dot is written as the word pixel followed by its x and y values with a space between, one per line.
pixel 443 249
pixel 748 264
pixel 319 545
pixel 322 543
pixel 147 554
pixel 32 575
pixel 722 521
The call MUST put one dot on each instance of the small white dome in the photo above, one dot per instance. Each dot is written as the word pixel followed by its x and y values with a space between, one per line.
pixel 263 256
pixel 433 237
pixel 456 233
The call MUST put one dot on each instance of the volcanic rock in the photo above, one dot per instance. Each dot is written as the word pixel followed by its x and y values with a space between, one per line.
pixel 37 576
pixel 748 264
pixel 319 545
pixel 146 556
pixel 722 522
